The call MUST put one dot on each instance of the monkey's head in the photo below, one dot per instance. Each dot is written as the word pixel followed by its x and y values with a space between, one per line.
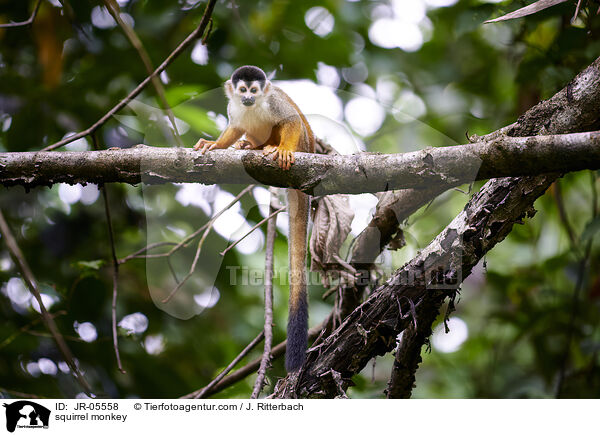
pixel 248 84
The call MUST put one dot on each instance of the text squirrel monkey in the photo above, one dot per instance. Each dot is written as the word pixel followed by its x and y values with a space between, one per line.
pixel 271 121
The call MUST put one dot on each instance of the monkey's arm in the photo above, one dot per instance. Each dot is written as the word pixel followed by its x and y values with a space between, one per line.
pixel 227 138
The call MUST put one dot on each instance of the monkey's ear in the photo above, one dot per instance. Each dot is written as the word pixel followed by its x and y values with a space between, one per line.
pixel 229 89
pixel 267 87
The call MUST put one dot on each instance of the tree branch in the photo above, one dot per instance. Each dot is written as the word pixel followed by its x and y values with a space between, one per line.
pixel 115 11
pixel 252 367
pixel 268 328
pixel 423 283
pixel 48 319
pixel 28 21
pixel 314 174
pixel 575 107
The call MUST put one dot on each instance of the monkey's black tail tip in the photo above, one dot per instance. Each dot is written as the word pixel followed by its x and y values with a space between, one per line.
pixel 297 337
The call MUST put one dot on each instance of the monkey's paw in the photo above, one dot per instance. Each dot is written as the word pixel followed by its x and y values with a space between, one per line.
pixel 204 145
pixel 284 157
pixel 269 149
pixel 243 144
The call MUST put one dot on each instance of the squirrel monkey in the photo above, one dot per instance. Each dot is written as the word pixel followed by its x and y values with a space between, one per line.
pixel 271 121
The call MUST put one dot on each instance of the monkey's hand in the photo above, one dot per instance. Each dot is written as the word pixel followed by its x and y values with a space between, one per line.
pixel 204 145
pixel 284 157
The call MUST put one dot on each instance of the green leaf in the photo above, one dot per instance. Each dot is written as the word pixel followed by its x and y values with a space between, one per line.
pixel 197 118
pixel 179 94
pixel 90 265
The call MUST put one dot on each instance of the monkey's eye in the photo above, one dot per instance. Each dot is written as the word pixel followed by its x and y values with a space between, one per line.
pixel 243 89
pixel 253 90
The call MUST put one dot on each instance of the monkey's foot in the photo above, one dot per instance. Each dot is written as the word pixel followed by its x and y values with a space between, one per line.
pixel 269 149
pixel 243 144
pixel 284 157
pixel 204 145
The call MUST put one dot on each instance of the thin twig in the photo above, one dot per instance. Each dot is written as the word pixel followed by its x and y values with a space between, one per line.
pixel 48 335
pixel 562 213
pixel 8 340
pixel 194 264
pixel 268 218
pixel 253 366
pixel 208 226
pixel 139 88
pixel 189 238
pixel 576 293
pixel 268 329
pixel 115 262
pixel 144 249
pixel 20 394
pixel 576 11
pixel 573 316
pixel 31 282
pixel 115 280
pixel 232 364
pixel 26 22
pixel 594 194
pixel 208 32
pixel 113 8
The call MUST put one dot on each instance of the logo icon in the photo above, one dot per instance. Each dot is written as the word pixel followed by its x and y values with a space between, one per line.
pixel 26 414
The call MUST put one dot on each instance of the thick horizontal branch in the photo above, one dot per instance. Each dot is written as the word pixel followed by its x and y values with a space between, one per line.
pixel 315 174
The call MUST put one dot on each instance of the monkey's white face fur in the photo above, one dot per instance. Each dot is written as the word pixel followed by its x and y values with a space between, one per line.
pixel 248 106
pixel 247 94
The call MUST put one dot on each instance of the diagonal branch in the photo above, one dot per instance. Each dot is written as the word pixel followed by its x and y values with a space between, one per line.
pixel 436 273
pixel 560 114
pixel 28 21
pixel 198 32
pixel 113 8
pixel 140 253
pixel 251 367
pixel 206 390
pixel 31 282
pixel 251 230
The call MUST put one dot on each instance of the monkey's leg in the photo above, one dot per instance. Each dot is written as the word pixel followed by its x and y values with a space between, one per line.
pixel 243 144
pixel 297 329
pixel 250 143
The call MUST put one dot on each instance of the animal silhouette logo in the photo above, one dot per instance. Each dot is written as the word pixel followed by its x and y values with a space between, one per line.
pixel 26 414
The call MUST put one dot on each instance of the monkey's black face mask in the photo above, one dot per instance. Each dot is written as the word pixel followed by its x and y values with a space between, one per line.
pixel 247 101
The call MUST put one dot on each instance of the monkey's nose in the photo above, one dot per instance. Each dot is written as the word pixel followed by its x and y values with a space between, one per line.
pixel 247 101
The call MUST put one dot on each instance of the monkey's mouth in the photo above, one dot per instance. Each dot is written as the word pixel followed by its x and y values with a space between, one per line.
pixel 247 101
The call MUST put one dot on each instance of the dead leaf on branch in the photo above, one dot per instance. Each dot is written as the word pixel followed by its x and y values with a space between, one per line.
pixel 331 226
pixel 531 9
pixel 398 241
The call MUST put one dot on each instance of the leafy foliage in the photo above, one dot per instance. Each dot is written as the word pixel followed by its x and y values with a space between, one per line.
pixel 531 311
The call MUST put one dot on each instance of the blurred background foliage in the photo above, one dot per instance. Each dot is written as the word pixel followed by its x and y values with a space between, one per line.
pixel 372 75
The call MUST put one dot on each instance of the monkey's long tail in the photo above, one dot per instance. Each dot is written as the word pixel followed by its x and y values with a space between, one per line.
pixel 297 329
